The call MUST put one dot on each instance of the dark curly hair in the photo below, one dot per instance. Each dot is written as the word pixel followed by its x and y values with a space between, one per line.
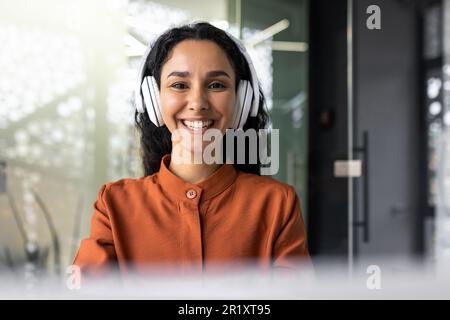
pixel 156 141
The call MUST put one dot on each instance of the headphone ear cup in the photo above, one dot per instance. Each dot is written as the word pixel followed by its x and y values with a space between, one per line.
pixel 150 93
pixel 243 104
pixel 157 102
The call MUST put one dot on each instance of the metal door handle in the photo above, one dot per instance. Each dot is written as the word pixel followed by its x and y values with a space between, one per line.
pixel 364 150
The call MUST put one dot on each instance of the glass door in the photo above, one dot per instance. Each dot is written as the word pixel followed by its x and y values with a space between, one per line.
pixel 388 188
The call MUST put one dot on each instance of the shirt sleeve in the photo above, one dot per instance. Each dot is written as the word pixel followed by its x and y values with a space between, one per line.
pixel 96 253
pixel 290 250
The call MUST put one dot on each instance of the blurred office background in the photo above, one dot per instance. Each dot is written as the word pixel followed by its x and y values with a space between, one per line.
pixel 335 89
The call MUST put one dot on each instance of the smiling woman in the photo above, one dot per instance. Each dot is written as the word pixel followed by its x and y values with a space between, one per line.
pixel 192 217
pixel 210 53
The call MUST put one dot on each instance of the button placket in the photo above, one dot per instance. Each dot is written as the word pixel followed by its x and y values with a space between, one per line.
pixel 192 249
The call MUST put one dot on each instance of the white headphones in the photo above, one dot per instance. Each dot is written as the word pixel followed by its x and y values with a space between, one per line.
pixel 247 100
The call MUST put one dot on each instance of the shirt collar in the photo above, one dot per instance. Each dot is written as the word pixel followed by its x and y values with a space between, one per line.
pixel 217 182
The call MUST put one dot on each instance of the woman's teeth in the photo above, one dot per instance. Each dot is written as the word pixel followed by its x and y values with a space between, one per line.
pixel 197 125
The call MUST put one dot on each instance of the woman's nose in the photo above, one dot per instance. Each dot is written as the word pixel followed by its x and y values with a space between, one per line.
pixel 198 99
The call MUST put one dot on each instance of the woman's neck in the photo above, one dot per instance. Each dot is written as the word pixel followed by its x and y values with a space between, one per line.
pixel 192 172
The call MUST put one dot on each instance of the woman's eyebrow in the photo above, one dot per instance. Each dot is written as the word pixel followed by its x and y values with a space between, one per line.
pixel 217 73
pixel 184 74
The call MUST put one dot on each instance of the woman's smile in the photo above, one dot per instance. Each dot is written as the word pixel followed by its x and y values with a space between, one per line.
pixel 196 126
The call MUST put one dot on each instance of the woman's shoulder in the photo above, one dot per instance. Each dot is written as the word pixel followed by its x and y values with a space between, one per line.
pixel 264 184
pixel 126 185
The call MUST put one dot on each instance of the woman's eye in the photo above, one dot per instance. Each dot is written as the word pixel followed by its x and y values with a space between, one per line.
pixel 179 86
pixel 217 85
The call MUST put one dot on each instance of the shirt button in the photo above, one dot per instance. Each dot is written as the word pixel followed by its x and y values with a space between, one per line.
pixel 191 193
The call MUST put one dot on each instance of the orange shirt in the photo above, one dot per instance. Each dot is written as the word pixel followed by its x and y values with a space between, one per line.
pixel 160 219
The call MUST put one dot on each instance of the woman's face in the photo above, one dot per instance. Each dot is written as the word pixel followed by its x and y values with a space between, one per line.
pixel 197 88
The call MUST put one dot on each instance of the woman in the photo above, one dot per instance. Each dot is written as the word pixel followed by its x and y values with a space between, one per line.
pixel 193 217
